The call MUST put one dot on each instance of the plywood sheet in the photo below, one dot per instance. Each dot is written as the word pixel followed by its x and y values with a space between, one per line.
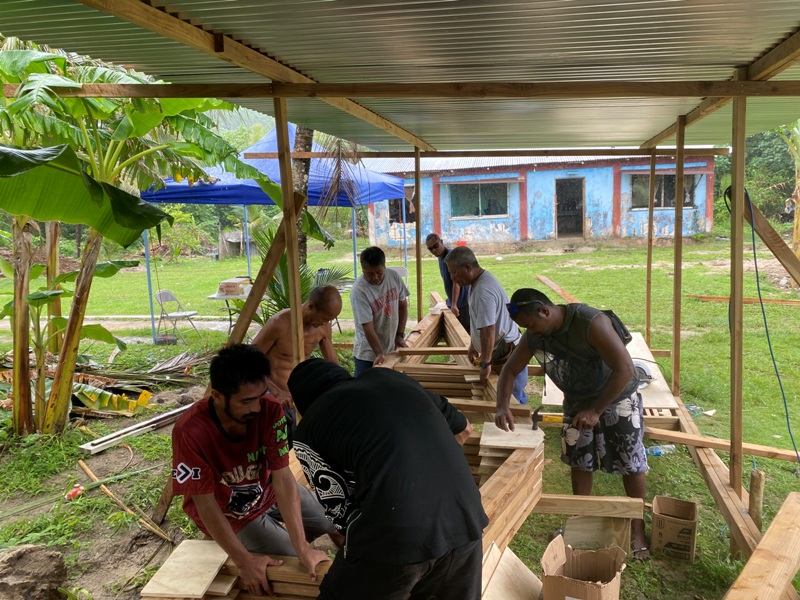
pixel 188 572
pixel 512 580
pixel 521 437
pixel 221 585
pixel 657 394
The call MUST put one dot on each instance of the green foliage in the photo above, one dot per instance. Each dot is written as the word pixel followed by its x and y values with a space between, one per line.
pixel 769 173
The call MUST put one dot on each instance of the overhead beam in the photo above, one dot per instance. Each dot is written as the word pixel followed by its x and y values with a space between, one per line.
pixel 227 49
pixel 507 153
pixel 770 64
pixel 566 90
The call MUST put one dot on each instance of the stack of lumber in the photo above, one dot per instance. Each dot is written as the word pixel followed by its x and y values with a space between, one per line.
pixel 510 494
pixel 471 451
pixel 497 445
pixel 200 569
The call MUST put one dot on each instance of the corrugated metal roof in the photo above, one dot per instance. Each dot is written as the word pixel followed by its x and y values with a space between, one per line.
pixel 407 41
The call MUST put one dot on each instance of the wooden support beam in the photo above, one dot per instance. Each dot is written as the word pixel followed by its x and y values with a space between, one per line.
pixel 700 441
pixel 776 559
pixel 419 90
pixel 506 153
pixel 780 58
pixel 736 312
pixel 418 230
pixel 677 268
pixel 289 225
pixel 773 240
pixel 228 49
pixel 648 289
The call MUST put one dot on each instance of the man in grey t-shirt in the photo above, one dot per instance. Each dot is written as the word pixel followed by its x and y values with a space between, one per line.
pixel 493 335
pixel 380 309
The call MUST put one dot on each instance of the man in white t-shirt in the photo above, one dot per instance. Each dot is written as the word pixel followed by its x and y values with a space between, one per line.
pixel 380 309
pixel 493 335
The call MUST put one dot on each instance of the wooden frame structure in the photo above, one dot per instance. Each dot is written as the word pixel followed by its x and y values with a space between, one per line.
pixel 751 80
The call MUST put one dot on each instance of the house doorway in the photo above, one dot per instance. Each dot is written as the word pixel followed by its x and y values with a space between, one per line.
pixel 569 207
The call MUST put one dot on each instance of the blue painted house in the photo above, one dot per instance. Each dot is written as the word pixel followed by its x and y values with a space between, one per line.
pixel 506 200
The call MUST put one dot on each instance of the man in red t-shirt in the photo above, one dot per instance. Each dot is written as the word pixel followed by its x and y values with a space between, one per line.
pixel 230 462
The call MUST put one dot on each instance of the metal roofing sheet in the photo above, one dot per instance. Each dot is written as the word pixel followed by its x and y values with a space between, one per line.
pixel 408 41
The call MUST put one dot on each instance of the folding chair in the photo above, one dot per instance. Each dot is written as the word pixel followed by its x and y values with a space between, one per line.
pixel 402 271
pixel 164 299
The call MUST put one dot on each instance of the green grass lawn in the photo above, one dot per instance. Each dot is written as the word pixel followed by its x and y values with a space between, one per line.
pixel 607 276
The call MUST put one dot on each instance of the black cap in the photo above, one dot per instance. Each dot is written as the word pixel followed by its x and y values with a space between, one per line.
pixel 312 378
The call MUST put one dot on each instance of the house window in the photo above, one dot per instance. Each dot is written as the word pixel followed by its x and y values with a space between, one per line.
pixel 665 190
pixel 396 213
pixel 478 199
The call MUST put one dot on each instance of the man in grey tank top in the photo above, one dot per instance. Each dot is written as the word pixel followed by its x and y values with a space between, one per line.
pixel 582 353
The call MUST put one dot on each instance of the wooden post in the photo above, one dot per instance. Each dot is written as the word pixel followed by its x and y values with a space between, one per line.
pixel 418 215
pixel 737 291
pixel 756 506
pixel 649 277
pixel 290 227
pixel 678 260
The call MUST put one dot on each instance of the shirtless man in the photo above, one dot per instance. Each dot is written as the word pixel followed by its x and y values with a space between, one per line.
pixel 275 340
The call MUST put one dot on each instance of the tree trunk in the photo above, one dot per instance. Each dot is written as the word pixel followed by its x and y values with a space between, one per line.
pixel 61 394
pixel 303 138
pixel 22 416
pixel 53 233
pixel 78 240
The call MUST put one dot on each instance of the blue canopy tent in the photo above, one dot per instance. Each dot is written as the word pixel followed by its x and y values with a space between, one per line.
pixel 363 187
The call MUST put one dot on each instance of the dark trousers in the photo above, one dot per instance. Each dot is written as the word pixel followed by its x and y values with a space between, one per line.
pixel 463 316
pixel 454 576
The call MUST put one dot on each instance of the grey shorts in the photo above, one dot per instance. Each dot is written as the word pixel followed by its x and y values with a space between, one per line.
pixel 614 446
pixel 266 535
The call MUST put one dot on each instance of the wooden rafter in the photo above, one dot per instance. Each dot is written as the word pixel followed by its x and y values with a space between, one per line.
pixel 227 49
pixel 563 90
pixel 770 64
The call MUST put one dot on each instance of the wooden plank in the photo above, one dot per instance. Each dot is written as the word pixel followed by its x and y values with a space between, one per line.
pixel 776 559
pixel 291 571
pixel 188 571
pixel 512 580
pixel 231 595
pixel 100 444
pixel 557 289
pixel 701 441
pixel 677 259
pixel 470 405
pixel 746 300
pixel 521 437
pixel 433 351
pixel 222 584
pixel 423 369
pixel 491 558
pixel 596 506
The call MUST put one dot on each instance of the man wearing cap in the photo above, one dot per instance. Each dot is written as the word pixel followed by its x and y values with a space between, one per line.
pixel 493 335
pixel 582 351
pixel 457 296
pixel 381 454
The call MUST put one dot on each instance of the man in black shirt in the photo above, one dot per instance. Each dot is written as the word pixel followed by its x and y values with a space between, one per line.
pixel 383 457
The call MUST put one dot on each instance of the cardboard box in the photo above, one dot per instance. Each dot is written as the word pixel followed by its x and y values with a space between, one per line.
pixel 581 574
pixel 234 287
pixel 674 527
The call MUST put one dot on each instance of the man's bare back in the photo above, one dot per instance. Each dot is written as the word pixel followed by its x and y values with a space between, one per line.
pixel 275 340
